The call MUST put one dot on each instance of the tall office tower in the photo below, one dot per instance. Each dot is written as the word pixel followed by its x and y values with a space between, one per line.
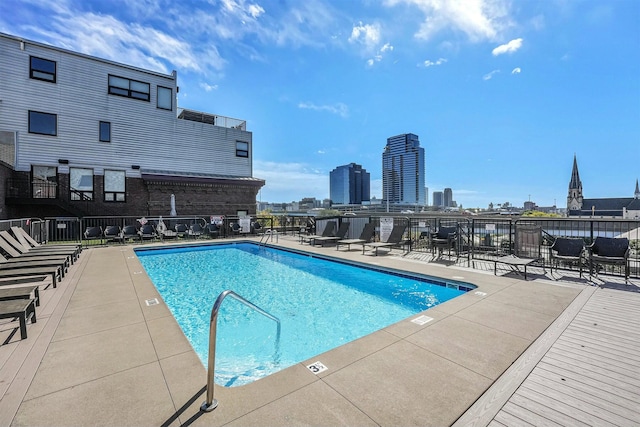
pixel 438 198
pixel 403 170
pixel 349 184
pixel 448 198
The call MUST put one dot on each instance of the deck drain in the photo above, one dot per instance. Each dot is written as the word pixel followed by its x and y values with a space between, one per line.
pixel 317 367
pixel 482 294
pixel 153 301
pixel 422 320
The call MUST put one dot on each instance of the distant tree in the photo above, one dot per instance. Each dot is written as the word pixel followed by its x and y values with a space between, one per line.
pixel 538 214
pixel 329 212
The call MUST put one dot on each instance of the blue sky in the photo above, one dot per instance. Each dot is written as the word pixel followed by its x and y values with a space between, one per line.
pixel 501 93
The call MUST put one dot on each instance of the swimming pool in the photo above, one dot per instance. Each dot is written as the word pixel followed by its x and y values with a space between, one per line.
pixel 321 303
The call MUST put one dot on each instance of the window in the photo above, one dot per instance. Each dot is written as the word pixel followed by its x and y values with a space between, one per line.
pixel 81 183
pixel 164 98
pixel 242 149
pixel 43 123
pixel 44 182
pixel 42 69
pixel 114 182
pixel 105 132
pixel 129 88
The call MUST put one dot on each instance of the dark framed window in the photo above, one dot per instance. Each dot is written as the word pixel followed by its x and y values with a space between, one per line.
pixel 105 132
pixel 43 123
pixel 242 149
pixel 81 183
pixel 44 182
pixel 114 186
pixel 129 88
pixel 42 69
pixel 164 98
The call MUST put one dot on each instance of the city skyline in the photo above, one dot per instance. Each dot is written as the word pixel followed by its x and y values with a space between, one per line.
pixel 502 94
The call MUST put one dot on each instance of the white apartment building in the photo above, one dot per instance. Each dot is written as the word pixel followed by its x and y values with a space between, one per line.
pixel 81 135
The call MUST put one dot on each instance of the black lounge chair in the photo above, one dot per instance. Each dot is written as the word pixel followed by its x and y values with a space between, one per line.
pixel 212 230
pixel 22 309
pixel 112 233
pixel 395 239
pixel 567 251
pixel 17 256
pixel 195 231
pixel 235 228
pixel 444 238
pixel 93 233
pixel 182 230
pixel 340 234
pixel 129 232
pixel 20 292
pixel 23 245
pixel 29 243
pixel 164 232
pixel 329 231
pixel 147 232
pixel 365 237
pixel 609 251
pixel 527 251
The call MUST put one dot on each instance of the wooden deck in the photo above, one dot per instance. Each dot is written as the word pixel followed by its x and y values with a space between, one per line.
pixel 585 372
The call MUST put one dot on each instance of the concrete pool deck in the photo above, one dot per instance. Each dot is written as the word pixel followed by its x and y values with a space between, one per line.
pixel 100 355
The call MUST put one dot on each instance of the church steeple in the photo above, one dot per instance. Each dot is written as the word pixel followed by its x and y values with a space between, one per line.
pixel 574 198
pixel 637 193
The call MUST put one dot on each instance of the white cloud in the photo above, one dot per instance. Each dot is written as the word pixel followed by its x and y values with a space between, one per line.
pixel 366 34
pixel 490 75
pixel 427 63
pixel 207 87
pixel 510 47
pixel 287 182
pixel 516 70
pixel 478 19
pixel 339 108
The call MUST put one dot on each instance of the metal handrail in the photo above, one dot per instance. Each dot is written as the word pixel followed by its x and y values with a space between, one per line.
pixel 210 404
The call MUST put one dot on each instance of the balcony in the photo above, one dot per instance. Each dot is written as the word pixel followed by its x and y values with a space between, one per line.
pixel 212 119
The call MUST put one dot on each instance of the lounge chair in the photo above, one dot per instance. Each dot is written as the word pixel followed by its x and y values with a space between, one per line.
pixel 18 241
pixel 112 233
pixel 235 228
pixel 609 251
pixel 15 256
pixel 258 228
pixel 25 239
pixel 21 309
pixel 340 234
pixel 329 231
pixel 195 231
pixel 21 292
pixel 6 265
pixel 567 251
pixel 147 232
pixel 33 273
pixel 93 233
pixel 367 234
pixel 395 239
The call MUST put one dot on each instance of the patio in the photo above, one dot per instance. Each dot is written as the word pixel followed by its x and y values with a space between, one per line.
pixel 100 355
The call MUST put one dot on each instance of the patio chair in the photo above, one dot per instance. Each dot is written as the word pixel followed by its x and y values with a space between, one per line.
pixel 28 242
pixel 164 232
pixel 212 230
pixel 195 231
pixel 147 232
pixel 235 228
pixel 129 232
pixel 444 238
pixel 15 256
pixel 112 233
pixel 258 228
pixel 93 233
pixel 609 251
pixel 20 292
pixel 329 231
pixel 395 239
pixel 528 244
pixel 366 236
pixel 62 250
pixel 340 234
pixel 182 230
pixel 567 251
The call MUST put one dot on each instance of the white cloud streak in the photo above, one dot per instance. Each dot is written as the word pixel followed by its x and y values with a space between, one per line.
pixel 339 108
pixel 516 70
pixel 490 75
pixel 510 47
pixel 427 63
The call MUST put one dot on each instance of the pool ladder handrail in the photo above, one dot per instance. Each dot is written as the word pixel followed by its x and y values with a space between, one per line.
pixel 210 404
pixel 269 233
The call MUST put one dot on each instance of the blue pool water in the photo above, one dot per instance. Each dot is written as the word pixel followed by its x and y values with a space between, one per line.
pixel 321 304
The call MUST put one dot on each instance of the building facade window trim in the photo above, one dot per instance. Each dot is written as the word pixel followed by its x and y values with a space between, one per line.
pixel 80 184
pixel 114 186
pixel 43 123
pixel 129 88
pixel 42 69
pixel 242 149
pixel 164 98
pixel 104 131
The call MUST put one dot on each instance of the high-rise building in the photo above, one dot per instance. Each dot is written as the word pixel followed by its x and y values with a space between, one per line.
pixel 448 198
pixel 349 184
pixel 438 198
pixel 403 171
